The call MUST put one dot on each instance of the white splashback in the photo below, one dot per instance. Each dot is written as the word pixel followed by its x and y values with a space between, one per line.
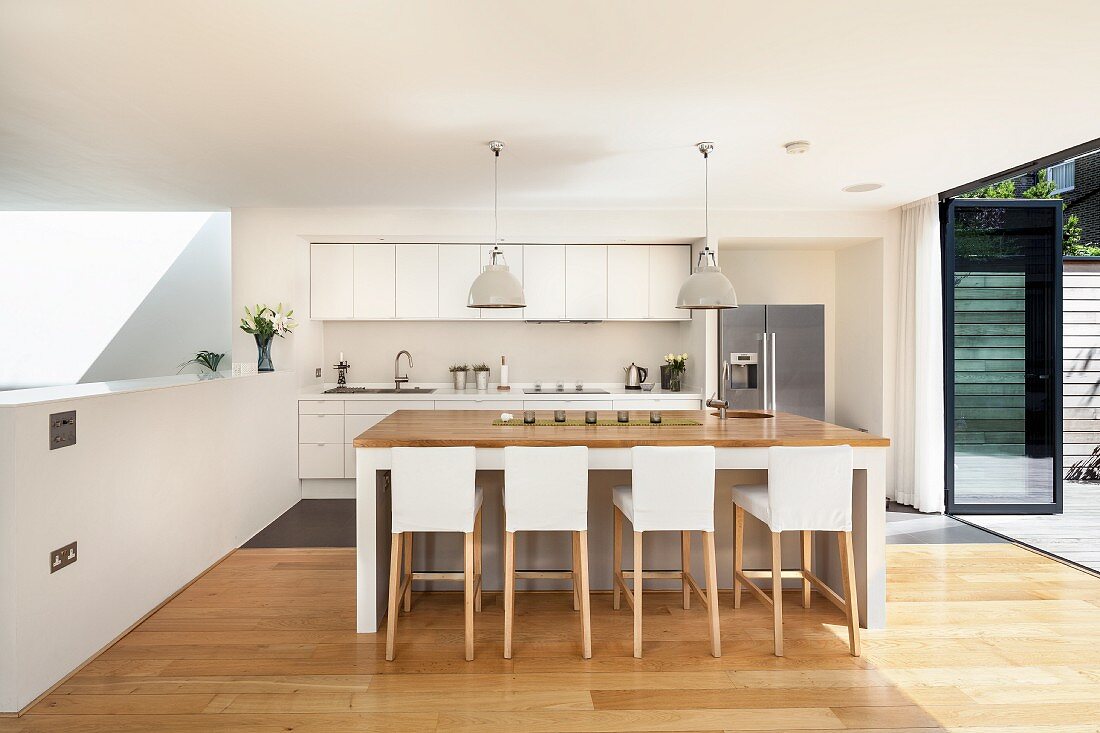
pixel 595 352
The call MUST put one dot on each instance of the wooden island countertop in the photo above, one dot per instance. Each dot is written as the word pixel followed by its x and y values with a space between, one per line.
pixel 434 428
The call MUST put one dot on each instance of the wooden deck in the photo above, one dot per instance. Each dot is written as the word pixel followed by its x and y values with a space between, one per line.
pixel 982 638
pixel 1074 534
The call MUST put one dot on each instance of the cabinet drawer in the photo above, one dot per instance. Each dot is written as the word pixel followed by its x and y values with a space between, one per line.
pixel 567 405
pixel 657 404
pixel 498 405
pixel 320 429
pixel 320 407
pixel 385 407
pixel 356 424
pixel 349 460
pixel 321 461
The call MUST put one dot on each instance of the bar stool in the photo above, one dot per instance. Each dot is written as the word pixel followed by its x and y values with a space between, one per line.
pixel 808 490
pixel 433 490
pixel 672 489
pixel 546 490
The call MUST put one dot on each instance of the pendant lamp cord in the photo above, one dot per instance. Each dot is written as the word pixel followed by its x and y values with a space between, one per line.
pixel 706 197
pixel 496 234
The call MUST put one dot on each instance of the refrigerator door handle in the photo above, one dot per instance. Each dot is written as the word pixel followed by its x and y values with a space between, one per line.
pixel 771 363
pixel 764 370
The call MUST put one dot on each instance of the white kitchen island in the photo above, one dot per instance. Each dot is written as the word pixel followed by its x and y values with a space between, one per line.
pixel 741 446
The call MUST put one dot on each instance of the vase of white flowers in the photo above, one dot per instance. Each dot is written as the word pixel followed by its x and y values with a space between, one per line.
pixel 672 373
pixel 265 324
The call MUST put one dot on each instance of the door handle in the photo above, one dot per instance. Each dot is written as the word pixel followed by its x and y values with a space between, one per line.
pixel 764 370
pixel 775 384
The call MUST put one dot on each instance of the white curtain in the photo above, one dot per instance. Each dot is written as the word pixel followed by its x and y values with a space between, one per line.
pixel 919 428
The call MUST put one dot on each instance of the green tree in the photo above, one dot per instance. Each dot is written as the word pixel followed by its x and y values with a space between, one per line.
pixel 1042 189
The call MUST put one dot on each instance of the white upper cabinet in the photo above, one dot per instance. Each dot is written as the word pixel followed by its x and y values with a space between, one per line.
pixel 586 282
pixel 373 281
pixel 459 264
pixel 669 266
pixel 330 294
pixel 417 281
pixel 513 257
pixel 432 281
pixel 544 281
pixel 628 281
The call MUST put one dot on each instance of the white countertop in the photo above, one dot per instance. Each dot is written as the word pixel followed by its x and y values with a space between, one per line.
pixel 444 393
pixel 61 392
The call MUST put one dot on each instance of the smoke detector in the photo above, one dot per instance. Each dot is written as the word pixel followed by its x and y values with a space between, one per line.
pixel 797 147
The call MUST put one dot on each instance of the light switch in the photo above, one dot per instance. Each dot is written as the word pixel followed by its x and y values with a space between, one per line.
pixel 62 429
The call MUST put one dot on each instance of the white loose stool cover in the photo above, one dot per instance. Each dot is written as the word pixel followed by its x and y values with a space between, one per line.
pixel 808 489
pixel 672 488
pixel 546 489
pixel 433 489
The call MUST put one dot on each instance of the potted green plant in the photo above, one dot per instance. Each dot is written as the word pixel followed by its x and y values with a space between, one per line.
pixel 458 374
pixel 205 360
pixel 481 374
pixel 265 324
pixel 674 367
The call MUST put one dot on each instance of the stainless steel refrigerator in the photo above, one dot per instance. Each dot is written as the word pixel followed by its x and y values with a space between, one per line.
pixel 775 356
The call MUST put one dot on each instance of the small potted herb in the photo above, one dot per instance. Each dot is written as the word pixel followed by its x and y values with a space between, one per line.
pixel 458 373
pixel 481 373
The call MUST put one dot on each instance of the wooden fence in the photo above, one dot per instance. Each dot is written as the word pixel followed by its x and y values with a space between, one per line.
pixel 1081 369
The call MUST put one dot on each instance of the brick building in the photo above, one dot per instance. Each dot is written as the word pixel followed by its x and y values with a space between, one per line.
pixel 1079 186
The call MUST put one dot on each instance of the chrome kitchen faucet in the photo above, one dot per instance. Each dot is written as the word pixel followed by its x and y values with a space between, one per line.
pixel 397 379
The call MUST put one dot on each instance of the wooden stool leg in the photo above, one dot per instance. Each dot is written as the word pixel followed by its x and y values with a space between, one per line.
pixel 637 588
pixel 408 570
pixel 576 572
pixel 468 591
pixel 685 566
pixel 851 599
pixel 509 590
pixel 712 594
pixel 617 553
pixel 395 586
pixel 806 541
pixel 586 611
pixel 738 552
pixel 777 592
pixel 477 561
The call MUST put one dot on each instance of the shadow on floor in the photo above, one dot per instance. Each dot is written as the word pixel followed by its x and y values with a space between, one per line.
pixel 906 526
pixel 311 523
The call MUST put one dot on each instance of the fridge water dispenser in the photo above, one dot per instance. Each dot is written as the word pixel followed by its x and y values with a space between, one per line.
pixel 742 371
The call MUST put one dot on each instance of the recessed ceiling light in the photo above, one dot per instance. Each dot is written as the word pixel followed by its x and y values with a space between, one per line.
pixel 797 147
pixel 862 187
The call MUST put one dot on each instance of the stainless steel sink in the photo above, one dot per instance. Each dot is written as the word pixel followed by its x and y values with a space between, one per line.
pixel 377 390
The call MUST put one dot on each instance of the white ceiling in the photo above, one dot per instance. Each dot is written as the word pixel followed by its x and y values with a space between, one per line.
pixel 206 104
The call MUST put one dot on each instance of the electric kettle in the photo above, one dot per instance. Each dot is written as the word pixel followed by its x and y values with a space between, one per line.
pixel 635 375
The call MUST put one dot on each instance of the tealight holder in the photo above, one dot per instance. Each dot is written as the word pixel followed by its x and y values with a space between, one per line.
pixel 559 415
pixel 623 416
pixel 528 417
pixel 590 417
pixel 655 417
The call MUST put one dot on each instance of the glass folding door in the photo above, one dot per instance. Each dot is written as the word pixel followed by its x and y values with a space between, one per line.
pixel 1002 331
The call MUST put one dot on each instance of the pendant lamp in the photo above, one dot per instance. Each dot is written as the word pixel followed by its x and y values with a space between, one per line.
pixel 707 288
pixel 496 286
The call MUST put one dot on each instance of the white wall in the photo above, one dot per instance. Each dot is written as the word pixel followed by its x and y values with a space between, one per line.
pixel 780 276
pixel 147 516
pixel 596 352
pixel 860 350
pixel 90 296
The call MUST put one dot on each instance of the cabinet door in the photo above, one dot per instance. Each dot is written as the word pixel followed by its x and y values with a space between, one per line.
pixel 628 281
pixel 669 266
pixel 544 281
pixel 459 264
pixel 373 284
pixel 417 281
pixel 513 257
pixel 325 460
pixel 586 282
pixel 330 268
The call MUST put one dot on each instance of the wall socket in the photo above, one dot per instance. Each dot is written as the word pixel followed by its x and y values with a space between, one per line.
pixel 62 429
pixel 62 557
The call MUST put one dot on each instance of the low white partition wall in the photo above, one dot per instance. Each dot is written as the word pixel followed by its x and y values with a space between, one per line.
pixel 166 477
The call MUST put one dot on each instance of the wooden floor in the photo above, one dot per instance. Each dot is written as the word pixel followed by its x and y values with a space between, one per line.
pixel 1073 534
pixel 982 638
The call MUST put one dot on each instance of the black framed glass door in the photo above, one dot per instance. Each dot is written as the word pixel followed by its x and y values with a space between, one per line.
pixel 1002 264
